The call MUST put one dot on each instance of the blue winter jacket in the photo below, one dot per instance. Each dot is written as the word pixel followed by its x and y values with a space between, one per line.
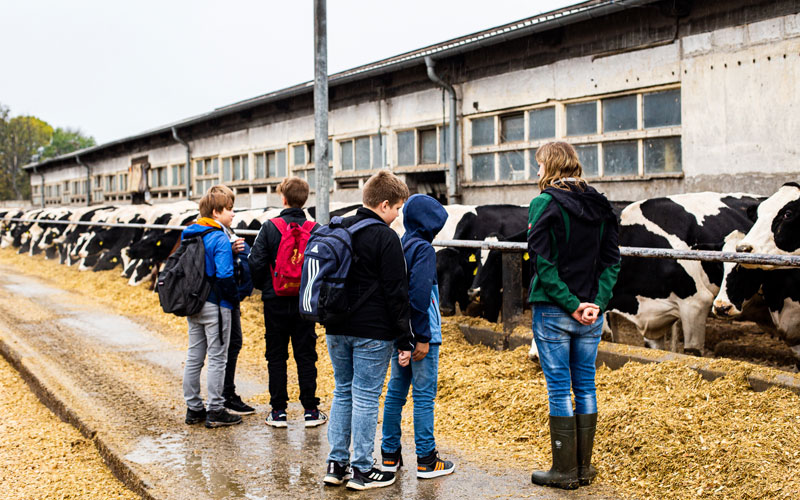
pixel 423 218
pixel 219 265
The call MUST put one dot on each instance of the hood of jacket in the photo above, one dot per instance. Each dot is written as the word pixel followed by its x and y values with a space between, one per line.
pixel 423 217
pixel 582 202
pixel 201 225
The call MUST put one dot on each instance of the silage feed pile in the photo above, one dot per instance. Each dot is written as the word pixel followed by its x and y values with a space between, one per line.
pixel 663 431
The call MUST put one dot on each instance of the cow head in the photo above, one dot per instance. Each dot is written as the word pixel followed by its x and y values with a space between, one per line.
pixel 739 284
pixel 777 228
pixel 107 261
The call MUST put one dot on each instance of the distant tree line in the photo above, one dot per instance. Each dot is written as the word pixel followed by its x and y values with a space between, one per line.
pixel 24 139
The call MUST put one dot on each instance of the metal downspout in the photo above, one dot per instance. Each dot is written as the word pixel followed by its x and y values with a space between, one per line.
pixel 88 179
pixel 188 162
pixel 452 187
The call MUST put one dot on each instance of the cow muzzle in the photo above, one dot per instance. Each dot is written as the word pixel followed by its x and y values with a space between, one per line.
pixel 725 310
pixel 473 293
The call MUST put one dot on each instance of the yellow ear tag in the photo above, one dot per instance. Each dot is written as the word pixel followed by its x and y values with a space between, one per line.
pixel 158 243
pixel 101 243
pixel 114 259
pixel 525 256
pixel 472 258
pixel 475 272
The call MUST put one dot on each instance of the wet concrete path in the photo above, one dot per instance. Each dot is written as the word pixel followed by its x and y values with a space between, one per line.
pixel 121 383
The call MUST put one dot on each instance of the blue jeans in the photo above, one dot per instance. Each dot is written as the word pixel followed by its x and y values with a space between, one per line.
pixel 567 350
pixel 359 369
pixel 423 377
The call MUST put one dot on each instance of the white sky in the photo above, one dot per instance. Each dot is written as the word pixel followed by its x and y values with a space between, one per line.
pixel 115 69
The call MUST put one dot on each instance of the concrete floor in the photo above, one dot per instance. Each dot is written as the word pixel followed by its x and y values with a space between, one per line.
pixel 120 383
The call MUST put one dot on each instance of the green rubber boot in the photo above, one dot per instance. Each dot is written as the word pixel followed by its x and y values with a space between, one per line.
pixel 563 440
pixel 586 426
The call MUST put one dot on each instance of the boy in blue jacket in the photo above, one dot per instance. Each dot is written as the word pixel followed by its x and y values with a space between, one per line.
pixel 210 329
pixel 423 218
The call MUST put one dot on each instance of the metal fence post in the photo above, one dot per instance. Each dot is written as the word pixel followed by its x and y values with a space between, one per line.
pixel 512 290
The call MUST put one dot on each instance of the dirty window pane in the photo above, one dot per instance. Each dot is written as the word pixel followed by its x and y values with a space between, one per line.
pixel 587 154
pixel 282 163
pixel 662 109
pixel 311 178
pixel 405 148
pixel 237 167
pixel 512 165
pixel 620 158
pixel 533 167
pixel 198 167
pixel 512 128
pixel 299 153
pixel 362 153
pixel 261 166
pixel 346 148
pixel 662 155
pixel 619 113
pixel 226 169
pixel 378 150
pixel 483 167
pixel 542 123
pixel 427 146
pixel 582 118
pixel 245 167
pixel 483 131
pixel 175 177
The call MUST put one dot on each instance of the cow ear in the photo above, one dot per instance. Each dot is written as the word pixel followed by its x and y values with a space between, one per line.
pixel 752 212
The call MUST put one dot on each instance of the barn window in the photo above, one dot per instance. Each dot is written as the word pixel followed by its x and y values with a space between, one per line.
pixel 362 155
pixel 483 131
pixel 346 148
pixel 299 155
pixel 619 113
pixel 483 167
pixel 512 128
pixel 512 165
pixel 427 146
pixel 620 158
pixel 179 175
pixel 662 155
pixel 542 123
pixel 587 155
pixel 406 148
pixel 582 118
pixel 662 109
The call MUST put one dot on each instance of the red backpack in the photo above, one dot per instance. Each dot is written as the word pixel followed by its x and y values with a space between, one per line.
pixel 289 261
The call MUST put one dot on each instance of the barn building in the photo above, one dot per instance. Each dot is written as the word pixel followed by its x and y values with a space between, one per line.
pixel 659 97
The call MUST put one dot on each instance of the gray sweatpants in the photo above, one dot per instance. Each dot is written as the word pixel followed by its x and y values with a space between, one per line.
pixel 204 337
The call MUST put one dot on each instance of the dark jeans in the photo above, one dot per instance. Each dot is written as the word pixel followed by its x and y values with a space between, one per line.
pixel 234 346
pixel 282 323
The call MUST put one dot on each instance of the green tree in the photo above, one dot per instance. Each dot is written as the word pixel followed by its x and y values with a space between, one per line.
pixel 20 138
pixel 66 140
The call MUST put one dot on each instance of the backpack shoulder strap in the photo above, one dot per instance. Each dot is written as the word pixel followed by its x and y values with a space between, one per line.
pixel 358 226
pixel 309 225
pixel 412 241
pixel 279 223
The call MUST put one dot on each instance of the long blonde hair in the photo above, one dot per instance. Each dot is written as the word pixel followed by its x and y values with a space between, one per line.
pixel 560 161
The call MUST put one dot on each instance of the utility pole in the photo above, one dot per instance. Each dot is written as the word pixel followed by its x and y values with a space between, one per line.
pixel 321 153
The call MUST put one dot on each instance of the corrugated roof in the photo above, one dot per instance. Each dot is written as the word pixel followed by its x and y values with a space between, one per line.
pixel 540 22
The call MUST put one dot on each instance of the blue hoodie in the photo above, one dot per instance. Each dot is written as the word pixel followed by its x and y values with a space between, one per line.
pixel 219 265
pixel 423 218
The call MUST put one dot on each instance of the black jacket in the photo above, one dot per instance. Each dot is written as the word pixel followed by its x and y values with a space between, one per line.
pixel 265 249
pixel 379 257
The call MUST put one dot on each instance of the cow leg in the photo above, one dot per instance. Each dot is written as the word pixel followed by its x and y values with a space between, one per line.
pixel 675 333
pixel 533 354
pixel 693 322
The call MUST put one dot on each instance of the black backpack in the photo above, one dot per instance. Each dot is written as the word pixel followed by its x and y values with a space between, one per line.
pixel 183 286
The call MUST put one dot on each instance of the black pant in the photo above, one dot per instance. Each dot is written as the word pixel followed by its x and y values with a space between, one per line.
pixel 282 322
pixel 234 346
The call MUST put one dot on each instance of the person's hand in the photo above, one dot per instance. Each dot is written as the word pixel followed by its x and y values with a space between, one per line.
pixel 586 313
pixel 420 351
pixel 238 245
pixel 404 358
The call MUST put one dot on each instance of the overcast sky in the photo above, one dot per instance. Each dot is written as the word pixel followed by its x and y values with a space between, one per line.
pixel 114 69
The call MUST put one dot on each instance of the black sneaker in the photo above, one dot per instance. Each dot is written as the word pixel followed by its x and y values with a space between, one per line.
pixel 433 466
pixel 391 462
pixel 337 474
pixel 375 478
pixel 235 405
pixel 276 418
pixel 195 416
pixel 221 418
pixel 314 417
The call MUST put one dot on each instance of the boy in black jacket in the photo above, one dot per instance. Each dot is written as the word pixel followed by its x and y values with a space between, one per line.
pixel 361 346
pixel 282 321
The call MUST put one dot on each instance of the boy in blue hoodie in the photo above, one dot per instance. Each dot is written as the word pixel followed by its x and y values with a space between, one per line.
pixel 210 329
pixel 423 218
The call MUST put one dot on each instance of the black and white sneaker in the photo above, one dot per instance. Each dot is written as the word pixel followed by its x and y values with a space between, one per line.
pixel 375 478
pixel 314 417
pixel 235 405
pixel 276 418
pixel 391 462
pixel 221 418
pixel 337 474
pixel 195 416
pixel 433 466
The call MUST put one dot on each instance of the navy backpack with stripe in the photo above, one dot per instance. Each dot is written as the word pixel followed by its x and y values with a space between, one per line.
pixel 329 254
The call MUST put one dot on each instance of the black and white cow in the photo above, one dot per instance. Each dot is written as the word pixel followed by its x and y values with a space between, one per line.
pixel 777 228
pixel 658 295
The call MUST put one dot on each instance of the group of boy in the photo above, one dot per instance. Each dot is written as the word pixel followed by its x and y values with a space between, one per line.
pixel 395 321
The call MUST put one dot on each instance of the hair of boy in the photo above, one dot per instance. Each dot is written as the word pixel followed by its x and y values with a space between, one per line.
pixel 384 186
pixel 560 160
pixel 217 198
pixel 295 190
